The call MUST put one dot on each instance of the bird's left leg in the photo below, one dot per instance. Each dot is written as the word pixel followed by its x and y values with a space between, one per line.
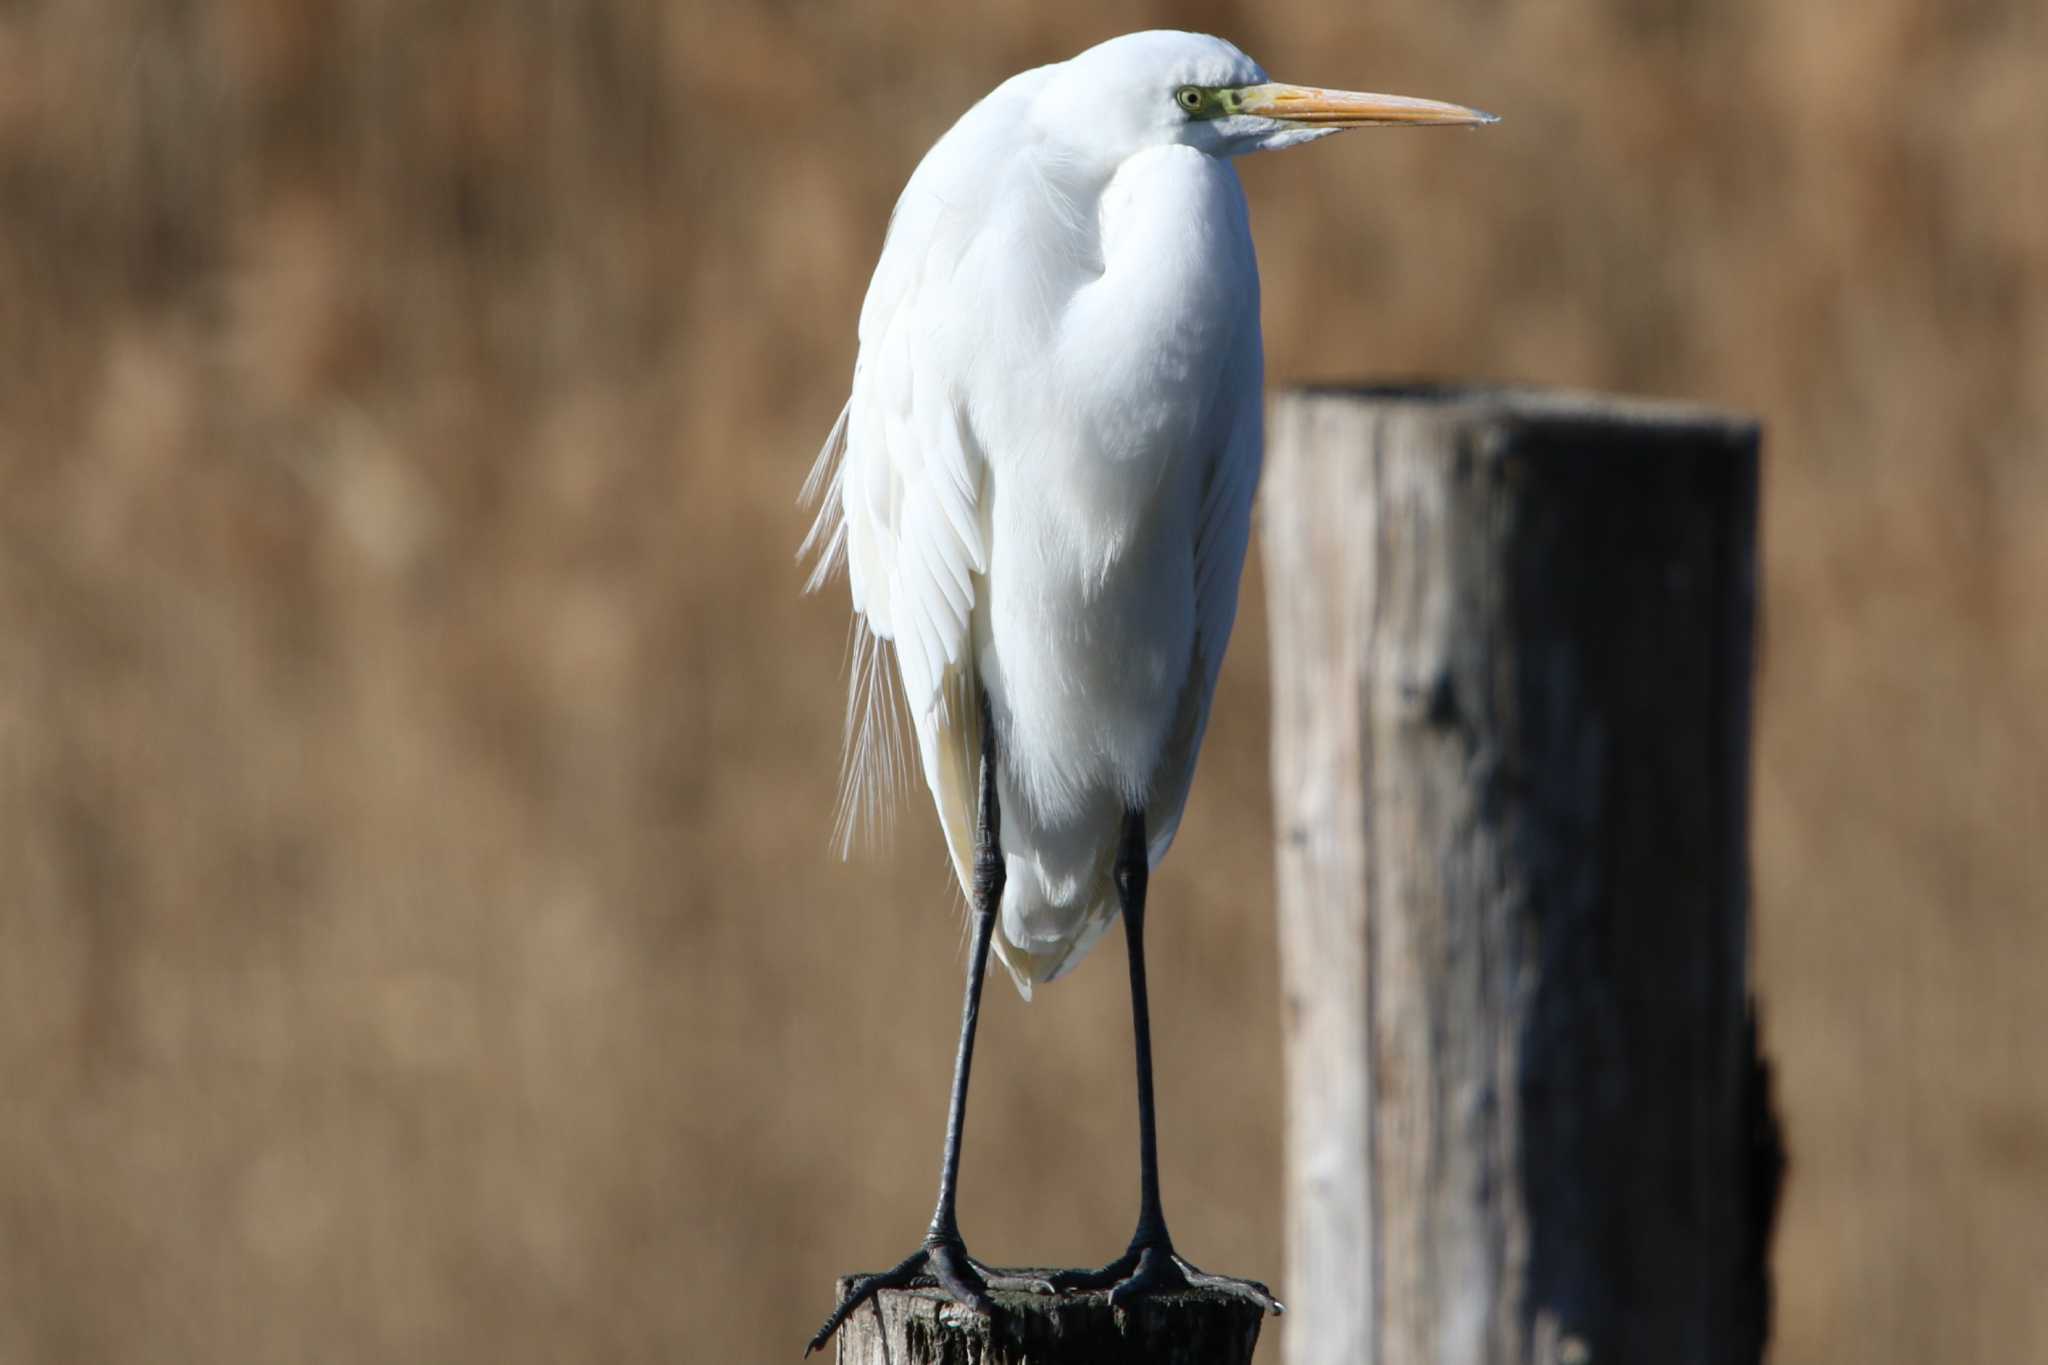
pixel 1150 1265
pixel 943 1258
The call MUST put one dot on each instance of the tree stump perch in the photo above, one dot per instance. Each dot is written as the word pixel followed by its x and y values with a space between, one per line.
pixel 1511 643
pixel 925 1327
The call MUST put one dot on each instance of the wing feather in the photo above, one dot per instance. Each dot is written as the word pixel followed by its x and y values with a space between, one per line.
pixel 1222 537
pixel 899 488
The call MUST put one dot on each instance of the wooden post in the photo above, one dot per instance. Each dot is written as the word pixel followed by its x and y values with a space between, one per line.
pixel 1511 641
pixel 924 1327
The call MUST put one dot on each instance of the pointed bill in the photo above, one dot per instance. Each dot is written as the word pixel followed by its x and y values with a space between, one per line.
pixel 1305 104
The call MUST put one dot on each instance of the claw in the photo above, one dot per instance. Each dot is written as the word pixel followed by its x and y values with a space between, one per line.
pixel 1012 1281
pixel 1155 1268
pixel 1159 1271
pixel 956 1273
pixel 1251 1291
pixel 864 1288
pixel 945 1264
pixel 1087 1281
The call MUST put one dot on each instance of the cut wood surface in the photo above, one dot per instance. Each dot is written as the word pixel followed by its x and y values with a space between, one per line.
pixel 925 1327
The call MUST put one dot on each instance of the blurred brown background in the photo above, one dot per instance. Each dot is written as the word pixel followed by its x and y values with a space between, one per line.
pixel 419 939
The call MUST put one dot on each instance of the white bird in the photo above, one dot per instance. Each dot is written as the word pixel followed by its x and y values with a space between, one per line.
pixel 1041 491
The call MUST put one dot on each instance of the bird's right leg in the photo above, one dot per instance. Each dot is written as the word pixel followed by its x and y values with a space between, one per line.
pixel 1150 1265
pixel 943 1257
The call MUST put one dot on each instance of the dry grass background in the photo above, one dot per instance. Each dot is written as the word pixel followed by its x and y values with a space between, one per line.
pixel 418 939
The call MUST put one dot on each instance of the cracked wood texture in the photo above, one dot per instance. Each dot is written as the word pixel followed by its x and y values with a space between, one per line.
pixel 1511 642
pixel 925 1327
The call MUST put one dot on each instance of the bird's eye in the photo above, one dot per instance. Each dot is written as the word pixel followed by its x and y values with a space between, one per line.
pixel 1189 98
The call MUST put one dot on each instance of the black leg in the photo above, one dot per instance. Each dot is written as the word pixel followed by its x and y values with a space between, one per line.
pixel 943 1258
pixel 987 892
pixel 1133 871
pixel 1150 1265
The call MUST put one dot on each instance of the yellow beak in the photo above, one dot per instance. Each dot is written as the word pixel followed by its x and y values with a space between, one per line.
pixel 1348 108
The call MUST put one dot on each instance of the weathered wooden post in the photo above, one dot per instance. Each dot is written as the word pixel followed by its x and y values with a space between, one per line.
pixel 1511 640
pixel 924 1327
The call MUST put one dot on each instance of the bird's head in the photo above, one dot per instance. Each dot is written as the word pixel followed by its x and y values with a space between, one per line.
pixel 1163 87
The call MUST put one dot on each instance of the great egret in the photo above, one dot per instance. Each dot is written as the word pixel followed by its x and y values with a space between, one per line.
pixel 1041 490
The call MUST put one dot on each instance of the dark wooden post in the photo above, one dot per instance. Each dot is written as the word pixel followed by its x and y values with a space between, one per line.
pixel 1511 639
pixel 924 1327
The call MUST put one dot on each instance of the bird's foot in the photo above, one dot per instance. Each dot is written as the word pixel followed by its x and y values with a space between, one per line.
pixel 1153 1267
pixel 942 1264
pixel 1024 1281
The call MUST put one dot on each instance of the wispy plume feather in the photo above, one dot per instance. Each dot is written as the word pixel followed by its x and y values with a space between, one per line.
pixel 872 770
pixel 872 763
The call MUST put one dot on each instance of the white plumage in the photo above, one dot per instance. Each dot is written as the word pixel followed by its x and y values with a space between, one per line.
pixel 1042 482
pixel 1041 489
